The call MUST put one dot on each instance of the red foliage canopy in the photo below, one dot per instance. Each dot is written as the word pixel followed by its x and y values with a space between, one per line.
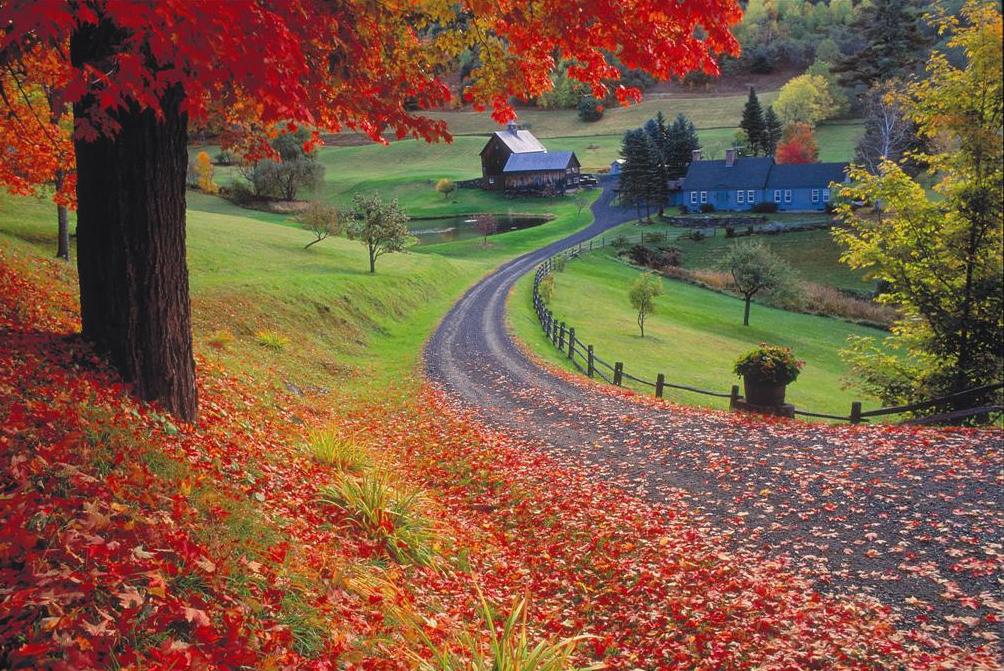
pixel 357 64
pixel 798 145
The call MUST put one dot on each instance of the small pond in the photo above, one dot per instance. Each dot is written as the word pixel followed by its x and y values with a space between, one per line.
pixel 450 229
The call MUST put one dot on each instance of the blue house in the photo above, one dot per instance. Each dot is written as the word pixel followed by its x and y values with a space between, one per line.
pixel 741 182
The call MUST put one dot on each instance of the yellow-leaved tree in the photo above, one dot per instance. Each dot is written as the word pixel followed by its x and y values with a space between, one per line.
pixel 939 253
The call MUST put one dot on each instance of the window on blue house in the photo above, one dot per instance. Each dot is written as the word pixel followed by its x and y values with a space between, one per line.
pixel 826 195
pixel 740 196
pixel 787 195
pixel 704 197
pixel 750 196
pixel 693 198
pixel 815 195
pixel 777 195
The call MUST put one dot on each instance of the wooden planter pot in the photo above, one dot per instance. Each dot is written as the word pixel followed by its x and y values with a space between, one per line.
pixel 763 393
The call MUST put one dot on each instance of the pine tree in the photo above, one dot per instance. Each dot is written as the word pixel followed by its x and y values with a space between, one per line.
pixel 773 131
pixel 635 176
pixel 681 143
pixel 894 44
pixel 658 136
pixel 754 125
pixel 657 184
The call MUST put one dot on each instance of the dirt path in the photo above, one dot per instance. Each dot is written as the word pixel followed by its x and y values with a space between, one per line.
pixel 914 518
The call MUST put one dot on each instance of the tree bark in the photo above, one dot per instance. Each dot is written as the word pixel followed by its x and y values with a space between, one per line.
pixel 134 301
pixel 746 312
pixel 63 223
pixel 372 249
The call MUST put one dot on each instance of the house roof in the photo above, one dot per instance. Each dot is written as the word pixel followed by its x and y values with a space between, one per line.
pixel 748 172
pixel 540 160
pixel 519 141
pixel 806 175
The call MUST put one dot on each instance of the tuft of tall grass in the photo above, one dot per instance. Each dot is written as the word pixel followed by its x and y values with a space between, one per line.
pixel 272 340
pixel 328 447
pixel 509 648
pixel 385 513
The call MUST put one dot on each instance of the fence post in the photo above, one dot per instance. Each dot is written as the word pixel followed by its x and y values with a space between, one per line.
pixel 554 331
pixel 571 343
pixel 618 373
pixel 561 337
pixel 660 382
pixel 590 244
pixel 603 241
pixel 589 361
pixel 856 412
pixel 734 397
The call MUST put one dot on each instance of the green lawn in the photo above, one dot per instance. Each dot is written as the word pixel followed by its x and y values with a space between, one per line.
pixel 693 338
pixel 345 327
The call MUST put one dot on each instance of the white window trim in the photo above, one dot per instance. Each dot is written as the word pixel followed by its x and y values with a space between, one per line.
pixel 741 196
pixel 826 195
pixel 815 195
pixel 787 195
pixel 693 198
pixel 704 197
pixel 751 196
pixel 777 195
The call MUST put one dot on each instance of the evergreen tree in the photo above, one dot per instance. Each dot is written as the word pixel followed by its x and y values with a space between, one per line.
pixel 636 174
pixel 754 125
pixel 681 143
pixel 658 136
pixel 894 44
pixel 773 130
pixel 657 185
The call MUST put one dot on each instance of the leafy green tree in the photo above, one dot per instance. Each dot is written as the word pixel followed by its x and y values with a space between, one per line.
pixel 681 143
pixel 805 99
pixel 321 219
pixel 841 96
pixel 893 44
pixel 642 295
pixel 773 131
pixel 590 109
pixel 546 288
pixel 940 254
pixel 755 268
pixel 382 227
pixel 754 126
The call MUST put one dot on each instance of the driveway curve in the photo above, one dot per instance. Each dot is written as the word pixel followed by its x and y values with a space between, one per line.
pixel 912 517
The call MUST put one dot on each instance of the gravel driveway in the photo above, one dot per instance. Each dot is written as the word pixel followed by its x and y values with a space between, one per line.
pixel 914 518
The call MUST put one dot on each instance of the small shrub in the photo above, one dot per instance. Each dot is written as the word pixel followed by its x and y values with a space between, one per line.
pixel 707 207
pixel 240 194
pixel 620 241
pixel 220 339
pixel 771 363
pixel 329 448
pixel 272 340
pixel 546 288
pixel 590 109
pixel 655 257
pixel 697 235
pixel 559 263
pixel 385 513
pixel 684 209
pixel 764 208
pixel 224 157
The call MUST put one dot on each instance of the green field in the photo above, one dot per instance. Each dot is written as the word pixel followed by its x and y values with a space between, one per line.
pixel 693 338
pixel 345 326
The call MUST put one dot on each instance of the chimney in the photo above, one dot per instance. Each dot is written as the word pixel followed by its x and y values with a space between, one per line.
pixel 730 157
pixel 513 127
pixel 695 155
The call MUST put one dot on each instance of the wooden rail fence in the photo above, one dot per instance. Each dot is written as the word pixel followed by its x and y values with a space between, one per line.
pixel 587 361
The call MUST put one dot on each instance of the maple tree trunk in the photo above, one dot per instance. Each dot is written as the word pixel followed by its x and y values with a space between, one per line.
pixel 63 244
pixel 131 251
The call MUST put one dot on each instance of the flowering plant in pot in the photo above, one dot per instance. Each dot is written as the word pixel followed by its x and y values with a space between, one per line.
pixel 766 371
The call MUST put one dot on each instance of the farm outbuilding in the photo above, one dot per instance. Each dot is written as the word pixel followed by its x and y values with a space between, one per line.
pixel 515 160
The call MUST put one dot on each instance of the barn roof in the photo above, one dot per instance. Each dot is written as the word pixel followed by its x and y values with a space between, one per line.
pixel 748 172
pixel 540 160
pixel 519 141
pixel 805 175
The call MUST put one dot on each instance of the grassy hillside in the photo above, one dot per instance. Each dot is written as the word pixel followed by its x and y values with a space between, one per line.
pixel 693 338
pixel 342 325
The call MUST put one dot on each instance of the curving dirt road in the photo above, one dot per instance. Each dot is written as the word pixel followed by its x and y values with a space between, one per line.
pixel 912 517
